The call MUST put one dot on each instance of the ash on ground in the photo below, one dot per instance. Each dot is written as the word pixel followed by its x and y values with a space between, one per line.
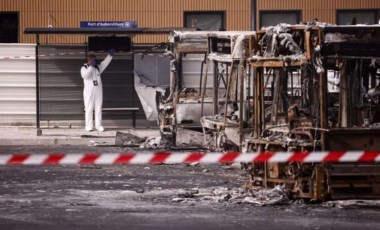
pixel 257 196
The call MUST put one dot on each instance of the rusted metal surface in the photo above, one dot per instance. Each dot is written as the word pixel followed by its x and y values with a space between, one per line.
pixel 292 111
pixel 362 139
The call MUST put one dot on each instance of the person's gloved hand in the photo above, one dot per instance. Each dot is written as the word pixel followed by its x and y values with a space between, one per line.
pixel 112 52
pixel 93 63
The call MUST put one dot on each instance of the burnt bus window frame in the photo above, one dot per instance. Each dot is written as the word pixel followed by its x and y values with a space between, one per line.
pixel 376 13
pixel 210 12
pixel 17 14
pixel 262 13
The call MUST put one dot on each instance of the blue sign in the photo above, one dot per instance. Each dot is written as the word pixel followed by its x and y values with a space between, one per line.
pixel 108 24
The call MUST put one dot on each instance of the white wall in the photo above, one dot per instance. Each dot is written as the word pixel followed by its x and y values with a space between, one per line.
pixel 17 84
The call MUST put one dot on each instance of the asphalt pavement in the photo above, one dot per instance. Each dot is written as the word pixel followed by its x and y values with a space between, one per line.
pixel 149 197
pixel 142 196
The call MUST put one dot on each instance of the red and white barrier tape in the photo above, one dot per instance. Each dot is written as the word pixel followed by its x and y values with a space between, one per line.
pixel 180 157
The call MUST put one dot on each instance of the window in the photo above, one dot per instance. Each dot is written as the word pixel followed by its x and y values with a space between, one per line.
pixel 272 18
pixel 204 20
pixel 348 17
pixel 8 27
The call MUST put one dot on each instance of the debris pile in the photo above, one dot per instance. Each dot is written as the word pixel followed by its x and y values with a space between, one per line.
pixel 256 196
pixel 352 204
pixel 151 143
pixel 280 40
pixel 127 139
pixel 187 138
pixel 275 196
pixel 218 195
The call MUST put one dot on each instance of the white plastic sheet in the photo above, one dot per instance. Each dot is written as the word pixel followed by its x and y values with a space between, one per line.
pixel 147 97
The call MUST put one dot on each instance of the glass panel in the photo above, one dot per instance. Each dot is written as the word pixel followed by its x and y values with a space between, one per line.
pixel 8 27
pixel 275 18
pixel 205 21
pixel 361 17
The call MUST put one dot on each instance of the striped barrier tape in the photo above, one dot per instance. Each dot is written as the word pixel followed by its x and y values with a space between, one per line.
pixel 187 157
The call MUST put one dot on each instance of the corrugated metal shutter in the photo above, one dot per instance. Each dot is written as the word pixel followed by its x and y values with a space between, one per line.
pixel 60 82
pixel 61 85
pixel 118 87
pixel 17 84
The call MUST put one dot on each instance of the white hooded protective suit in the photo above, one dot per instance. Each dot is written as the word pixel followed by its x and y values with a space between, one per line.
pixel 93 94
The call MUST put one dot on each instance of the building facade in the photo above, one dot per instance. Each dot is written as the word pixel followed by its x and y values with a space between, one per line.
pixel 342 12
pixel 16 15
pixel 230 15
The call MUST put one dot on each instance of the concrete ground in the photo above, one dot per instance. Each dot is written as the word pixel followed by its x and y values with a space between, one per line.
pixel 64 136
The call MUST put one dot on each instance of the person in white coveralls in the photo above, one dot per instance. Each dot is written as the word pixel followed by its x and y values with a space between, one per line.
pixel 93 89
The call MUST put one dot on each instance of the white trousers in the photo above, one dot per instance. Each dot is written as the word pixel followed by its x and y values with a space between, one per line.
pixel 93 100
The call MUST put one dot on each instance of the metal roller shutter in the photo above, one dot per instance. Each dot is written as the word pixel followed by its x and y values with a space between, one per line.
pixel 17 84
pixel 61 85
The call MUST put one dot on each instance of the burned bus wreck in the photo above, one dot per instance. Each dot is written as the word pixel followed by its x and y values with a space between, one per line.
pixel 232 111
pixel 204 66
pixel 288 88
pixel 317 89
pixel 181 102
pixel 286 78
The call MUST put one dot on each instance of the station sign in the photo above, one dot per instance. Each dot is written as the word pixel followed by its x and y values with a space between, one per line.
pixel 108 24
